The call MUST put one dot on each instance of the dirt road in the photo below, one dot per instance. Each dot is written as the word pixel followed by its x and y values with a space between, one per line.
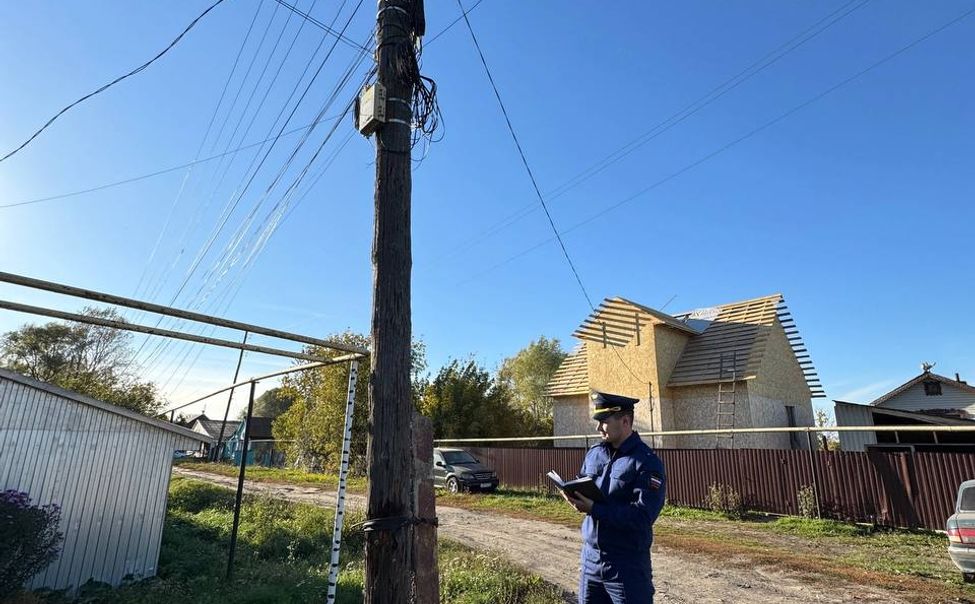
pixel 552 552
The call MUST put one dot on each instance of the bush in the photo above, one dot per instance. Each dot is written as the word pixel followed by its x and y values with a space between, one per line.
pixel 30 542
pixel 725 500
pixel 194 497
pixel 806 499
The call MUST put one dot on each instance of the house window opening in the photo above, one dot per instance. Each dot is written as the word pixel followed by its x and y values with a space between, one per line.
pixel 790 415
pixel 932 388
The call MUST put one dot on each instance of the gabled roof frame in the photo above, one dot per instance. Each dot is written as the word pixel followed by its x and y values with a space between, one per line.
pixel 927 375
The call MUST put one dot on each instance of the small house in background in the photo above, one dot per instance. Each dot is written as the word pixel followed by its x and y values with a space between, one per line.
pixel 737 365
pixel 106 467
pixel 210 428
pixel 261 449
pixel 926 399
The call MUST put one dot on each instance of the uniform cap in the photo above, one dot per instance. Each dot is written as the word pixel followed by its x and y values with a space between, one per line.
pixel 606 404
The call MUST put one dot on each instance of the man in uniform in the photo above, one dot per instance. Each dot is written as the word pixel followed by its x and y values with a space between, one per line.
pixel 618 531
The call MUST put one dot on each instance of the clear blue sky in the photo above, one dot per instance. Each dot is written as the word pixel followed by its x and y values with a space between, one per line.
pixel 856 207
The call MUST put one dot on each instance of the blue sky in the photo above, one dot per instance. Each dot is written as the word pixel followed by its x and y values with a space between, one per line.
pixel 855 207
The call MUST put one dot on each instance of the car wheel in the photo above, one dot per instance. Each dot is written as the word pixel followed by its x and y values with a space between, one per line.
pixel 452 485
pixel 968 577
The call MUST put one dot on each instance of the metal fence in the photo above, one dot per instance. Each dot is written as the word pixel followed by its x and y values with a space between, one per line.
pixel 912 490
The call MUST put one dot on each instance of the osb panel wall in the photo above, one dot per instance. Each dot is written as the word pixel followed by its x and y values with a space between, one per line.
pixel 780 382
pixel 668 346
pixel 696 408
pixel 607 373
pixel 651 361
pixel 770 413
pixel 571 415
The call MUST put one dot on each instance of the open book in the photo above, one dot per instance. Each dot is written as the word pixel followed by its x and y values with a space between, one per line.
pixel 583 486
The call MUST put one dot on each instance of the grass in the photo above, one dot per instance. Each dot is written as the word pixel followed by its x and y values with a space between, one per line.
pixel 354 484
pixel 281 557
pixel 914 563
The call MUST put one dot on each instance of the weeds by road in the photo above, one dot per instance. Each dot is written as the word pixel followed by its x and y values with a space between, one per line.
pixel 282 556
pixel 914 563
pixel 355 484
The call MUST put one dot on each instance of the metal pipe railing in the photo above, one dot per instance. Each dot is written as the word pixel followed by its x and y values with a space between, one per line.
pixel 800 429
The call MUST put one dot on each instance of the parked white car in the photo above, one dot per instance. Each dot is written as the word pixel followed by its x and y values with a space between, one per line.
pixel 961 531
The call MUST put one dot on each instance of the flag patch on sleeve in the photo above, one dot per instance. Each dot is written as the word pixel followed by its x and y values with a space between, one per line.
pixel 655 481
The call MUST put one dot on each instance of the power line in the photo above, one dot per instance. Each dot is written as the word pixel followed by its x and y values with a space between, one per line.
pixel 433 39
pixel 734 142
pixel 340 35
pixel 113 82
pixel 212 157
pixel 238 195
pixel 238 247
pixel 531 175
pixel 160 172
pixel 521 154
pixel 673 120
pixel 199 151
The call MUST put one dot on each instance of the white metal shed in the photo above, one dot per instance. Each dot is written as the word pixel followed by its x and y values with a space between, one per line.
pixel 108 469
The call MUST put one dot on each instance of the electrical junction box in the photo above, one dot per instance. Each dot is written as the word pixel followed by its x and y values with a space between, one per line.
pixel 371 109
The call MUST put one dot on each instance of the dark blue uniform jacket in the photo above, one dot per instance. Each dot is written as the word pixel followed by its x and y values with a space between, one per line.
pixel 619 530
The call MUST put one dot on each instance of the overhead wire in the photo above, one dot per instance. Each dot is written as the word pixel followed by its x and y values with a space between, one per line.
pixel 541 200
pixel 199 208
pixel 189 226
pixel 176 168
pixel 126 181
pixel 238 194
pixel 307 17
pixel 228 208
pixel 113 82
pixel 250 180
pixel 521 154
pixel 726 86
pixel 887 58
pixel 262 234
pixel 268 232
pixel 199 151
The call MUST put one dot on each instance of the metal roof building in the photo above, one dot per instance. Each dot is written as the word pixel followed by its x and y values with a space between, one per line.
pixel 107 468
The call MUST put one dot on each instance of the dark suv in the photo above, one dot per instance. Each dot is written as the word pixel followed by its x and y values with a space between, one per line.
pixel 457 470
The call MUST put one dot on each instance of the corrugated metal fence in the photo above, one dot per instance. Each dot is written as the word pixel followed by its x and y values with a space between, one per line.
pixel 889 489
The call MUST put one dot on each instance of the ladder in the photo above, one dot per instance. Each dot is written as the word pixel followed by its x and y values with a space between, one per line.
pixel 727 397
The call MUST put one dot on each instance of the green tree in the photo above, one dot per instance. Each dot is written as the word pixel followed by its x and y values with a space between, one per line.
pixel 89 359
pixel 313 425
pixel 828 441
pixel 527 373
pixel 464 401
pixel 273 403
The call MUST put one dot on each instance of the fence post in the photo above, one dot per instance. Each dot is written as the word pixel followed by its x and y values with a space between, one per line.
pixel 815 474
pixel 240 482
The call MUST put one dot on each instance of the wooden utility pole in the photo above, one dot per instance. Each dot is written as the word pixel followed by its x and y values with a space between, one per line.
pixel 389 573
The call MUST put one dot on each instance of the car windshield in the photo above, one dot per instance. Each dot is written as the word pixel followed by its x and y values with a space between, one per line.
pixel 967 500
pixel 455 457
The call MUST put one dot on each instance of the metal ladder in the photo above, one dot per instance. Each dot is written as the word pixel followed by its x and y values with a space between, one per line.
pixel 727 397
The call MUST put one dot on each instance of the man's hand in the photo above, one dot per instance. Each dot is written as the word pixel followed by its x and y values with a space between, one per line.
pixel 580 502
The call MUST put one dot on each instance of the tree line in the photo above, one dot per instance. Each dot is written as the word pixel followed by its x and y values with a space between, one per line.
pixel 462 398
